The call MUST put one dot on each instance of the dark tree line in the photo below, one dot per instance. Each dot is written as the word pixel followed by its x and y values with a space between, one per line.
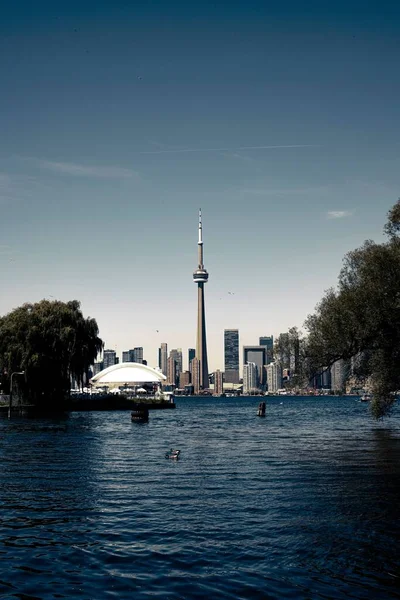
pixel 51 342
pixel 360 319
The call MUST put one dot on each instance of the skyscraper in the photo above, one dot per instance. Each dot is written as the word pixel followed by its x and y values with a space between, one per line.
pixel 257 355
pixel 231 354
pixel 274 377
pixel 164 356
pixel 109 358
pixel 249 377
pixel 138 355
pixel 191 355
pixel 196 375
pixel 200 276
pixel 171 371
pixel 218 382
pixel 176 354
pixel 268 342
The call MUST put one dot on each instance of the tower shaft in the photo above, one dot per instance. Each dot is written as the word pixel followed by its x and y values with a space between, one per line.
pixel 201 342
pixel 200 276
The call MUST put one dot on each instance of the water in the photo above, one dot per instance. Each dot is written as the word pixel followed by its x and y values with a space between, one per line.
pixel 301 504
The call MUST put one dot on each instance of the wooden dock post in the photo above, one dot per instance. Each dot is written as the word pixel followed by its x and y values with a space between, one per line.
pixel 261 409
pixel 140 414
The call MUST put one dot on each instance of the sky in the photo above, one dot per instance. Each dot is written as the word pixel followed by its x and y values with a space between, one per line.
pixel 118 120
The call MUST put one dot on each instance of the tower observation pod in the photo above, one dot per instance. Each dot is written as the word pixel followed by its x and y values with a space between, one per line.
pixel 200 276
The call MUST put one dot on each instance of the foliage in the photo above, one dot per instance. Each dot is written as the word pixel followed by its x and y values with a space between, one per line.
pixel 361 318
pixel 51 342
pixel 289 351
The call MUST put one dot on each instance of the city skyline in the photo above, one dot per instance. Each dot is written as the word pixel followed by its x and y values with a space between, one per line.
pixel 117 124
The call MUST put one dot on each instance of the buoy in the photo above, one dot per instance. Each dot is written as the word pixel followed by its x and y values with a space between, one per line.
pixel 140 414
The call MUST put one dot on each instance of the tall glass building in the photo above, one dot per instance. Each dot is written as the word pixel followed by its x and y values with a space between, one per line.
pixel 231 353
pixel 268 342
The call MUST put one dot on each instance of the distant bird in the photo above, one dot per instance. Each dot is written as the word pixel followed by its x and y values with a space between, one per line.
pixel 157 331
pixel 139 77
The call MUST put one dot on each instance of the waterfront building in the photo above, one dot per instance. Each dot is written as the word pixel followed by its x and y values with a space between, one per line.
pixel 231 355
pixel 171 371
pixel 164 357
pixel 268 342
pixel 196 375
pixel 218 382
pixel 249 377
pixel 184 380
pixel 191 355
pixel 128 374
pixel 109 358
pixel 274 377
pixel 200 276
pixel 257 355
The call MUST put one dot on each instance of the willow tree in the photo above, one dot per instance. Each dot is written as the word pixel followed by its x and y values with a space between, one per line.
pixel 51 342
pixel 360 319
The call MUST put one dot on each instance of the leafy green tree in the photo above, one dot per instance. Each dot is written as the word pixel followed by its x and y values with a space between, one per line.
pixel 51 342
pixel 360 319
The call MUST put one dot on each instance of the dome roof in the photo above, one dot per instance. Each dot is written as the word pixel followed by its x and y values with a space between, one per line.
pixel 127 372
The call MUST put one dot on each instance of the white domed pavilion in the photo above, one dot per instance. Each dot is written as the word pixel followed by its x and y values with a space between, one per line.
pixel 127 374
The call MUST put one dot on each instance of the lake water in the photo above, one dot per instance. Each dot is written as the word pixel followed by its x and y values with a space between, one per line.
pixel 301 504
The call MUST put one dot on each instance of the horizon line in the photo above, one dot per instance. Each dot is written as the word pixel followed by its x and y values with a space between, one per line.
pixel 236 149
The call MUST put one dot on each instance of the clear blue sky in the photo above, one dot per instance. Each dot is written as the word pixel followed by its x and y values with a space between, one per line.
pixel 119 120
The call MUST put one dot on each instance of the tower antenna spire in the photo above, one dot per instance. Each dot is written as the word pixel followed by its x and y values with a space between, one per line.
pixel 200 228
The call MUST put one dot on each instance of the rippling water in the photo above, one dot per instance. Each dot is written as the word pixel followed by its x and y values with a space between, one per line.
pixel 301 504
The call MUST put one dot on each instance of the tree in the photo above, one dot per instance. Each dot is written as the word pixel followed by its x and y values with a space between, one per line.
pixel 361 318
pixel 51 342
pixel 289 351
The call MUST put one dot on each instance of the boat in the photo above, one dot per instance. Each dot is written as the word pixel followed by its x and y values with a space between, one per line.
pixel 365 398
pixel 172 454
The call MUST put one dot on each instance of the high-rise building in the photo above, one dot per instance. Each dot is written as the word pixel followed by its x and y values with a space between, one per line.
pixel 138 355
pixel 257 355
pixel 97 367
pixel 268 342
pixel 200 276
pixel 126 356
pixel 184 379
pixel 191 355
pixel 196 375
pixel 218 382
pixel 231 354
pixel 249 377
pixel 171 371
pixel 274 377
pixel 176 354
pixel 339 374
pixel 164 357
pixel 109 358
pixel 159 358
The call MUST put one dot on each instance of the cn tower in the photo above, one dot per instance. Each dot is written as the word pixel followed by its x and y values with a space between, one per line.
pixel 200 276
